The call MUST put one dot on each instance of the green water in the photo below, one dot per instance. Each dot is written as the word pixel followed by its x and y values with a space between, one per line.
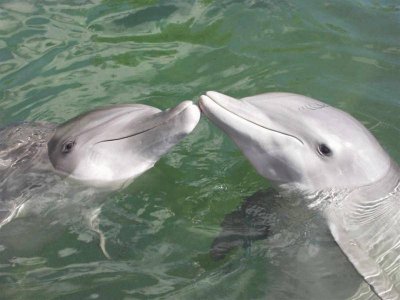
pixel 61 58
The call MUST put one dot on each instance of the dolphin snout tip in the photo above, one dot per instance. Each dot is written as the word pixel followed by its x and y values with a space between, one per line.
pixel 190 111
pixel 184 106
pixel 202 103
pixel 191 116
pixel 186 103
pixel 208 96
pixel 212 94
pixel 218 97
pixel 211 98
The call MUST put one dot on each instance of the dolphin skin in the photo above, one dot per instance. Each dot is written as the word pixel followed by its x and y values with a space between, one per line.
pixel 101 150
pixel 348 188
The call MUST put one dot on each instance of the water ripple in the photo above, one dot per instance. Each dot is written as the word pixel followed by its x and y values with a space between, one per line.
pixel 60 58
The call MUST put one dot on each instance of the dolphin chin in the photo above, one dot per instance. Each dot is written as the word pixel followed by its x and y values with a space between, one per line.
pixel 345 178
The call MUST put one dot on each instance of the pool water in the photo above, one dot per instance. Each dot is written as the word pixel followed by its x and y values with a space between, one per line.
pixel 62 58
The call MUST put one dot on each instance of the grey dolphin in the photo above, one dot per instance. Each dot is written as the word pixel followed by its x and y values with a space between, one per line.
pixel 345 179
pixel 105 148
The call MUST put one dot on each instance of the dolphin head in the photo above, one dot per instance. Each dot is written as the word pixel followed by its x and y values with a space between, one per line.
pixel 111 146
pixel 297 141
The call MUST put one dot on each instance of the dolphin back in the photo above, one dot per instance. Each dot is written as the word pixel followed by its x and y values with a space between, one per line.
pixel 23 149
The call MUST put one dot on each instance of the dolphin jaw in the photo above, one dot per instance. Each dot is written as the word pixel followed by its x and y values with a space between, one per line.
pixel 105 178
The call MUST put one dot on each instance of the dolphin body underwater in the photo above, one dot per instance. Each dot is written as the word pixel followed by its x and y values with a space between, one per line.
pixel 337 181
pixel 101 150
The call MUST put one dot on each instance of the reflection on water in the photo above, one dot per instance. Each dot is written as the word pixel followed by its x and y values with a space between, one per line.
pixel 60 58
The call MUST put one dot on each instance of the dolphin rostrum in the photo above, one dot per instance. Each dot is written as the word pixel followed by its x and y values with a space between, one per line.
pixel 346 180
pixel 100 150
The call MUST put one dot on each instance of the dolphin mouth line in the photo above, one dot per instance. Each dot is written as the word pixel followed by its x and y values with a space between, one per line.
pixel 129 136
pixel 173 115
pixel 203 108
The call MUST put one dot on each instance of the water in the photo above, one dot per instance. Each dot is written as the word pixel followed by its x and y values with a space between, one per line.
pixel 61 58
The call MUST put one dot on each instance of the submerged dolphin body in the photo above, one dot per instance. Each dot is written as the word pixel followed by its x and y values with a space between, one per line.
pixel 100 150
pixel 347 182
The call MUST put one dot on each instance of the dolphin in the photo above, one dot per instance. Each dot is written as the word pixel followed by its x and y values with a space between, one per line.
pixel 347 185
pixel 48 170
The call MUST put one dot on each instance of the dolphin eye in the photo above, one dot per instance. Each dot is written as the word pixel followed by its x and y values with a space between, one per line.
pixel 68 146
pixel 324 150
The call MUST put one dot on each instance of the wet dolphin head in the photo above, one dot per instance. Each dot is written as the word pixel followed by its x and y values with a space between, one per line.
pixel 111 146
pixel 297 141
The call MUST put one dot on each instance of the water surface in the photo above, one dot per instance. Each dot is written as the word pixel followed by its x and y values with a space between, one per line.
pixel 61 58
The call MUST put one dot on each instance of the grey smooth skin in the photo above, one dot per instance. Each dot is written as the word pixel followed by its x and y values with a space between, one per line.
pixel 105 148
pixel 111 146
pixel 335 163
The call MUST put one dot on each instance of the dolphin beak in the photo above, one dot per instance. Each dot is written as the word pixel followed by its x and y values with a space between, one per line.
pixel 184 108
pixel 187 112
pixel 186 116
pixel 221 99
pixel 209 101
pixel 231 114
pixel 223 109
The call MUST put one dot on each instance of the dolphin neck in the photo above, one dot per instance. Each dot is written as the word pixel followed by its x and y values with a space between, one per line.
pixel 364 224
pixel 386 185
pixel 324 198
pixel 375 198
pixel 24 146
